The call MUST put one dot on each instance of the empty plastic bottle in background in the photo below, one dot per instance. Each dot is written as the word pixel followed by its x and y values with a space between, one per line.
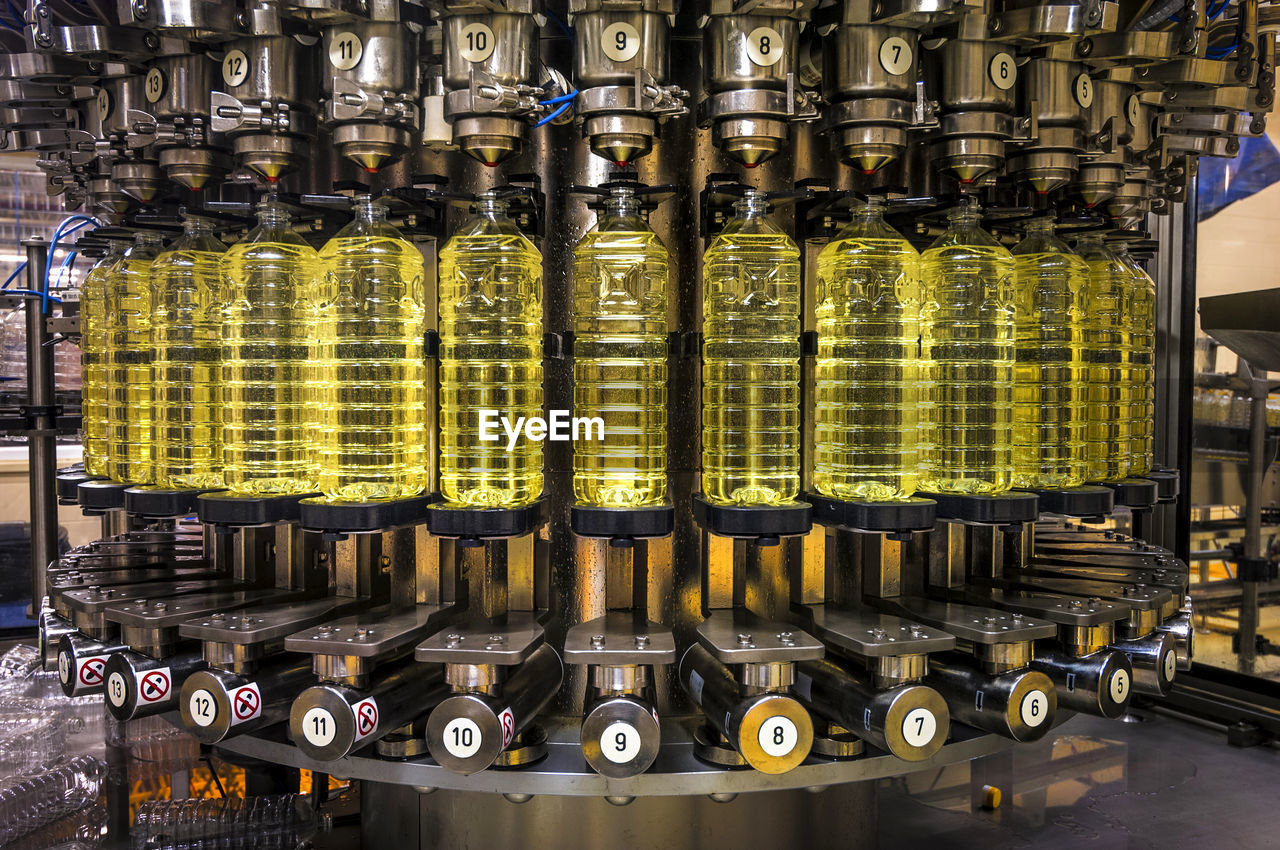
pixel 1106 358
pixel 281 822
pixel 267 326
pixel 186 329
pixel 1051 285
pixel 867 379
pixel 371 440
pixel 966 335
pixel 30 802
pixel 751 361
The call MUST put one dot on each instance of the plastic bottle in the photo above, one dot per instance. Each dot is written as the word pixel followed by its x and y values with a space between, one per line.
pixel 867 378
pixel 1049 391
pixel 95 358
pixel 129 330
pixel 620 359
pixel 490 361
pixel 751 361
pixel 267 326
pixel 186 328
pixel 966 335
pixel 1106 357
pixel 1141 316
pixel 371 438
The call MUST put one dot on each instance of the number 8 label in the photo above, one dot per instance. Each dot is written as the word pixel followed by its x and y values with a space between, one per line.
pixel 621 42
pixel 764 46
pixel 1003 71
pixel 778 736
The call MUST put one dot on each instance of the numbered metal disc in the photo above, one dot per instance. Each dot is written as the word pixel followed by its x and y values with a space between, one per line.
pixel 764 46
pixel 345 51
pixel 1003 71
pixel 620 737
pixel 620 42
pixel 458 754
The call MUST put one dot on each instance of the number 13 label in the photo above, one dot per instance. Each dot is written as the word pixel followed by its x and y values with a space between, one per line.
pixel 764 46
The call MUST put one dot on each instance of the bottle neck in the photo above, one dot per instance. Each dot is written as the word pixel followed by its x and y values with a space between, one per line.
pixel 194 228
pixel 753 205
pixel 147 240
pixel 369 211
pixel 490 208
pixel 622 206
pixel 272 215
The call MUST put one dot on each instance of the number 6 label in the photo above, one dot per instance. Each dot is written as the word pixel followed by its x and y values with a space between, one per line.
pixel 778 736
pixel 1004 73
pixel 764 46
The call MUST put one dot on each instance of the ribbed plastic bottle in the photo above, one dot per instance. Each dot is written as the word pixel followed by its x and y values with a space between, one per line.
pixel 966 343
pixel 620 359
pixel 129 446
pixel 1106 359
pixel 186 328
pixel 371 437
pixel 867 378
pixel 490 361
pixel 267 325
pixel 751 361
pixel 95 358
pixel 1141 315
pixel 1049 391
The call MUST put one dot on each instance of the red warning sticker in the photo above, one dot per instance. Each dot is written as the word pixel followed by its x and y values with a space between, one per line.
pixel 366 718
pixel 154 685
pixel 91 672
pixel 508 720
pixel 246 703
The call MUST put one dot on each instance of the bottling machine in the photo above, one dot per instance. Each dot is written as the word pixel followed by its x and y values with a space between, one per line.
pixel 553 671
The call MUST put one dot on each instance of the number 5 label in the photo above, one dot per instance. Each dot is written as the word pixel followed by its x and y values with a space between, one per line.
pixel 764 46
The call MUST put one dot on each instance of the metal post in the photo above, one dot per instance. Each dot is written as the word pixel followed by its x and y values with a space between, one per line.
pixel 41 445
pixel 1253 515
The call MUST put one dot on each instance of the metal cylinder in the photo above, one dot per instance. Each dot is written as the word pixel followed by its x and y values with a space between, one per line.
pixel 486 57
pixel 1155 662
pixel 771 731
pixel 909 721
pixel 1184 635
pixel 179 86
pixel 50 632
pixel 140 686
pixel 1018 705
pixel 1099 684
pixel 82 663
pixel 330 721
pixel 216 704
pixel 277 69
pixel 42 447
pixel 602 55
pixel 467 732
pixel 621 736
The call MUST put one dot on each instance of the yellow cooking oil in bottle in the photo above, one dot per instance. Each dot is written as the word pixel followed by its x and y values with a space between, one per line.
pixel 129 330
pixel 966 344
pixel 371 436
pixel 267 323
pixel 186 329
pixel 1141 321
pixel 1106 359
pixel 1049 389
pixel 867 376
pixel 751 361
pixel 620 359
pixel 95 358
pixel 490 318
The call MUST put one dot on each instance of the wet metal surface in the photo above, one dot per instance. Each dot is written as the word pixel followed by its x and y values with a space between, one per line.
pixel 1095 784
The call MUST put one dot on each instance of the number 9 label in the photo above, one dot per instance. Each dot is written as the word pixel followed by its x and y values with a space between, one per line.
pixel 778 736
pixel 475 42
pixel 895 55
pixel 620 742
pixel 764 46
pixel 621 42
pixel 1003 71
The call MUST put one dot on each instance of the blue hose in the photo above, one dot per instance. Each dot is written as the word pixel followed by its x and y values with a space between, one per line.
pixel 554 115
pixel 15 274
